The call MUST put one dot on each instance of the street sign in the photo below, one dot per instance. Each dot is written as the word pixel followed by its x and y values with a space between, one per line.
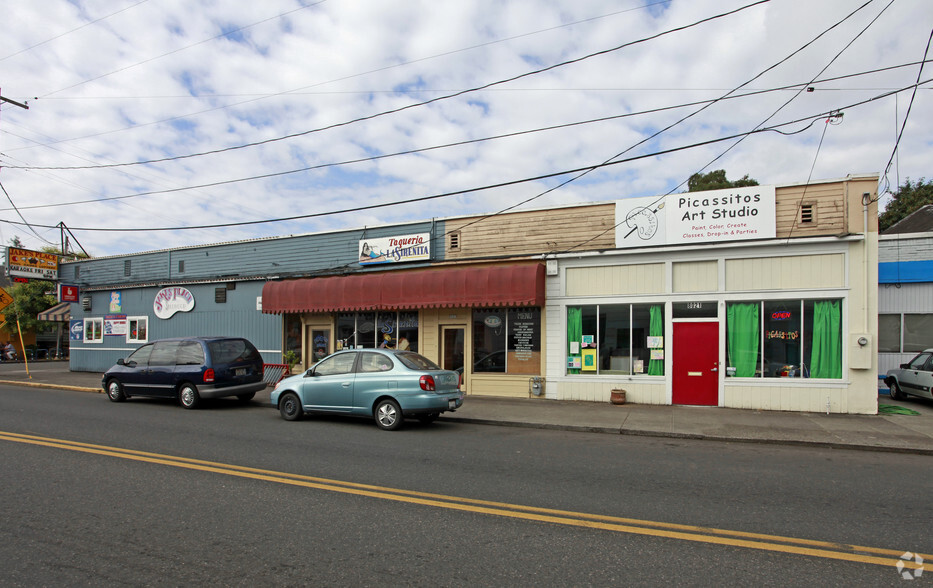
pixel 5 299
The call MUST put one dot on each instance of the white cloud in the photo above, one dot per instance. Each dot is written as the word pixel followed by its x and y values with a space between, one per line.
pixel 159 80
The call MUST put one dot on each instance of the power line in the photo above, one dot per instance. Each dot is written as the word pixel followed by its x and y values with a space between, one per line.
pixel 437 196
pixel 224 34
pixel 887 183
pixel 801 85
pixel 298 91
pixel 460 93
pixel 775 129
pixel 87 24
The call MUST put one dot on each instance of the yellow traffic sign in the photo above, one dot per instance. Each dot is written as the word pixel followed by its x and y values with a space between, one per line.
pixel 5 299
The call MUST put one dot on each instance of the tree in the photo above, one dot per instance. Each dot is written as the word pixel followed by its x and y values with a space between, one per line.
pixel 29 299
pixel 906 200
pixel 716 180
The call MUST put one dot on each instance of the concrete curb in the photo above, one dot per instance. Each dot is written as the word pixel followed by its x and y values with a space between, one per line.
pixel 690 436
pixel 47 385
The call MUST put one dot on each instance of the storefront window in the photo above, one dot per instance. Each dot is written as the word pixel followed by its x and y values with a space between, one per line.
pixel 889 333
pixel 917 332
pixel 293 334
pixel 489 329
pixel 616 339
pixel 507 341
pixel 407 331
pixel 386 329
pixel 784 339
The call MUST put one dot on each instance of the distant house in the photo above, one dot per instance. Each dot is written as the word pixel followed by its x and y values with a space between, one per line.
pixel 905 289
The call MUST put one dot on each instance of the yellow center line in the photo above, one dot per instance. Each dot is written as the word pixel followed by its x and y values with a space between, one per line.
pixel 776 543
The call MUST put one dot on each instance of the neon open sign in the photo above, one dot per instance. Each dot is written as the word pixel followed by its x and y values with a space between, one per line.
pixel 781 315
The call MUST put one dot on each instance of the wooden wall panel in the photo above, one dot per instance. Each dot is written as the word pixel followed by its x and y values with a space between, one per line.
pixel 789 272
pixel 696 276
pixel 616 280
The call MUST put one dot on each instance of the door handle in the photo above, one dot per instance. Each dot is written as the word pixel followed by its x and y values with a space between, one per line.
pixel 714 370
pixel 346 384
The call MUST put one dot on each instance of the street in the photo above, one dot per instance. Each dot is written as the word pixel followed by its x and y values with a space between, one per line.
pixel 145 492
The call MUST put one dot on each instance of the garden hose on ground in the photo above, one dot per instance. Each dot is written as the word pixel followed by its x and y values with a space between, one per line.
pixel 890 409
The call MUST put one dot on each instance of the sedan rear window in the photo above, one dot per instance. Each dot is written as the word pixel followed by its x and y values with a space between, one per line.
pixel 416 361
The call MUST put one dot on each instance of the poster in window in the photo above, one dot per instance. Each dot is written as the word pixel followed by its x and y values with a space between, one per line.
pixel 589 360
pixel 574 362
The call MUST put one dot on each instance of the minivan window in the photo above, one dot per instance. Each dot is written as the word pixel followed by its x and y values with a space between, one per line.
pixel 232 350
pixel 140 356
pixel 189 353
pixel 163 353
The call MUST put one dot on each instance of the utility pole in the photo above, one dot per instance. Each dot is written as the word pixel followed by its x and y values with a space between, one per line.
pixel 13 102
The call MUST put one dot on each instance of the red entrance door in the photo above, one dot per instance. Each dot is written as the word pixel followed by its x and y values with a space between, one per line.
pixel 696 364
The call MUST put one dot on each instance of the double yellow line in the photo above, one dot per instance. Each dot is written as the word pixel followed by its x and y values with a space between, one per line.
pixel 774 543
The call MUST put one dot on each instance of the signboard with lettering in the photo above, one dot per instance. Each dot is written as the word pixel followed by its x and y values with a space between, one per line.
pixel 734 214
pixel 68 293
pixel 173 299
pixel 414 247
pixel 25 263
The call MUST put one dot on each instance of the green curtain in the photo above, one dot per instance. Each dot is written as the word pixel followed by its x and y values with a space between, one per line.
pixel 826 352
pixel 574 331
pixel 742 338
pixel 656 329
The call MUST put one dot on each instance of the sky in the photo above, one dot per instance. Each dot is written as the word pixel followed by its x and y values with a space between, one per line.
pixel 154 124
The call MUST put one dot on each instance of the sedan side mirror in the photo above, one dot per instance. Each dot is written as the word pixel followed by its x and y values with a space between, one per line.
pixel 121 361
pixel 905 366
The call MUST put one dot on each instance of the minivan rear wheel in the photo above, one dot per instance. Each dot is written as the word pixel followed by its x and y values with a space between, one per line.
pixel 188 396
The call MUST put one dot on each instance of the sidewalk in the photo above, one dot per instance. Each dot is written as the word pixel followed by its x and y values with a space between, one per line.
pixel 883 432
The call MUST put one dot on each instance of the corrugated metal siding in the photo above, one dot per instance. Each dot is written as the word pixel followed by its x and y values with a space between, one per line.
pixel 237 317
pixel 320 253
pixel 696 276
pixel 609 280
pixel 783 273
pixel 894 250
pixel 910 298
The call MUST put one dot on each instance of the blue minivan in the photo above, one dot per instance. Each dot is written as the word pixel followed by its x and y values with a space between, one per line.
pixel 188 369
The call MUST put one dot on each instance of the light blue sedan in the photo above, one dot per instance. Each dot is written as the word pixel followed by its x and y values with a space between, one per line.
pixel 384 384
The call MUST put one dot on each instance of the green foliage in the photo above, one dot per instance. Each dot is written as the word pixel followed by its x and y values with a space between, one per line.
pixel 290 358
pixel 907 199
pixel 29 299
pixel 716 180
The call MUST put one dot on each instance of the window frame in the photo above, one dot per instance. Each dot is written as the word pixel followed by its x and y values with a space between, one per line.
pixel 99 321
pixel 129 329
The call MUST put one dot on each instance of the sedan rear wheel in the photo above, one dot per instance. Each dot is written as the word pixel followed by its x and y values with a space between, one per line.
pixel 188 396
pixel 290 407
pixel 896 392
pixel 388 415
pixel 115 391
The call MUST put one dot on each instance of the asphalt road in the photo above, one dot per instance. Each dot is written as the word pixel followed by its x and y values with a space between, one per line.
pixel 144 493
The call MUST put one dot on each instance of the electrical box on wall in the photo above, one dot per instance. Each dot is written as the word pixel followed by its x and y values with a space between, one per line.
pixel 861 351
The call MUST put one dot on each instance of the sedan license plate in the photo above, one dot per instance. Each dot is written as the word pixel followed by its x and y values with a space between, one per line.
pixel 239 372
pixel 451 404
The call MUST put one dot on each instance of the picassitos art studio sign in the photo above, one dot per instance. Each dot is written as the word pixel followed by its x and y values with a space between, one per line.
pixel 735 214
pixel 414 247
pixel 173 299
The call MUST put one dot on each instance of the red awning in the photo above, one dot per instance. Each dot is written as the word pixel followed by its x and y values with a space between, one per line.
pixel 511 285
